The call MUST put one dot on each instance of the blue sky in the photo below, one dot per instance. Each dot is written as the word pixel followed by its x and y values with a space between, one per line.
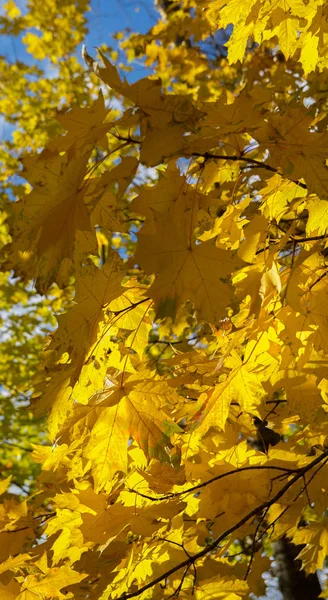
pixel 113 15
pixel 105 18
pixel 109 16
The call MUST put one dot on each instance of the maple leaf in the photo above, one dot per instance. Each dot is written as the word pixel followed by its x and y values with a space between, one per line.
pixel 318 217
pixel 51 223
pixel 306 290
pixel 104 193
pixel 185 269
pixel 130 409
pixel 298 150
pixel 95 290
pixel 184 377
pixel 14 563
pixel 133 308
pixel 315 536
pixel 85 128
pixel 303 397
pixel 241 386
pixel 80 330
pixel 48 585
pixel 163 118
pixel 263 21
pixel 278 195
pixel 228 589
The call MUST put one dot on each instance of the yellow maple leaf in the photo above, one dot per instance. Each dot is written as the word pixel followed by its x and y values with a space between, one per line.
pixel 317 223
pixel 303 396
pixel 306 293
pixel 50 584
pixel 315 536
pixel 4 484
pixel 186 269
pixel 133 308
pixel 217 588
pixel 293 146
pixel 242 386
pixel 11 9
pixel 13 563
pixel 294 24
pixel 103 195
pixel 277 195
pixel 131 409
pixel 309 52
pixel 10 591
pixel 164 118
pixel 52 223
pixel 95 289
pixel 85 128
pixel 81 329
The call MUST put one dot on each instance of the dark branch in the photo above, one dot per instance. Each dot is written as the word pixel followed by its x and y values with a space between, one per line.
pixel 14 445
pixel 249 161
pixel 131 307
pixel 259 509
pixel 216 478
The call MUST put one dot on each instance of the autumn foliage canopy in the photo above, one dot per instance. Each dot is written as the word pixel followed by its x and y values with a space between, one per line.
pixel 167 240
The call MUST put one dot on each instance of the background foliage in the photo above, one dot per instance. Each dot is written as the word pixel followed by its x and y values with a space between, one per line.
pixel 163 297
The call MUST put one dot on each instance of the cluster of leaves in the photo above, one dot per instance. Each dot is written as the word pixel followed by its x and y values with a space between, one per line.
pixel 32 94
pixel 185 386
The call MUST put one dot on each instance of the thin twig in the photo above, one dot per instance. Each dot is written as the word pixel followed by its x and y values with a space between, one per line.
pixel 131 307
pixel 216 478
pixel 250 161
pixel 14 445
pixel 254 543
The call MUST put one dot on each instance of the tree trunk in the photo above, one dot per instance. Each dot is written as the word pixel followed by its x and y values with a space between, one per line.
pixel 294 584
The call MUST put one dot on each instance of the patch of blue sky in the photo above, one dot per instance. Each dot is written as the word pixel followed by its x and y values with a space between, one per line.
pixel 103 21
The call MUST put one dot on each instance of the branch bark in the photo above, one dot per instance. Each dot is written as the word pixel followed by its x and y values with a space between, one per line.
pixel 294 584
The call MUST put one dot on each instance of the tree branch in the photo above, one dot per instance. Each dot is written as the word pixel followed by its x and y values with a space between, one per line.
pixel 131 307
pixel 216 478
pixel 264 506
pixel 249 161
pixel 14 445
